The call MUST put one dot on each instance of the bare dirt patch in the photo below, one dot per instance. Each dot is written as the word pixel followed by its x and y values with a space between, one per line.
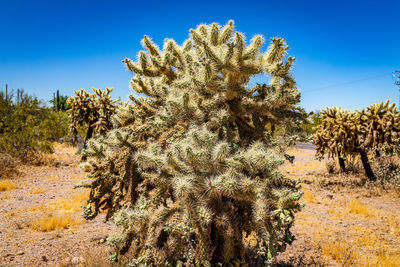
pixel 41 222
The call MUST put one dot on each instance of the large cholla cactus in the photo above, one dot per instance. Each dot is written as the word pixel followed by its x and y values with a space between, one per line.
pixel 91 110
pixel 190 172
pixel 343 133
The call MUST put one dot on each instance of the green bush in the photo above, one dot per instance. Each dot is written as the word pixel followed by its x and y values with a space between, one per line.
pixel 27 126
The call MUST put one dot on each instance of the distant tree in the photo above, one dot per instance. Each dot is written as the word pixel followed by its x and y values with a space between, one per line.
pixel 27 126
pixel 310 122
pixel 63 105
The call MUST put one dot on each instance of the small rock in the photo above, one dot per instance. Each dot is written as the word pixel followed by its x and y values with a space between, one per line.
pixel 20 253
pixel 44 258
pixel 78 260
pixel 75 260
pixel 67 261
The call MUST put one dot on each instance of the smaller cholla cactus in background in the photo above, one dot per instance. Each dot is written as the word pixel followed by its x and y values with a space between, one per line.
pixel 345 133
pixel 380 127
pixel 91 110
pixel 335 136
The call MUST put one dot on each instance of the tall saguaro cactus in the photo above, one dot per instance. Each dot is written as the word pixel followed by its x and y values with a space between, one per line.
pixel 190 170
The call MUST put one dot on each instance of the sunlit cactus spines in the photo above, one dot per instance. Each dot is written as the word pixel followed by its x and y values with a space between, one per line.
pixel 190 172
pixel 344 133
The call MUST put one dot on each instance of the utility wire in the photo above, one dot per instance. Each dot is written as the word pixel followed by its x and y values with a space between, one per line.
pixel 346 83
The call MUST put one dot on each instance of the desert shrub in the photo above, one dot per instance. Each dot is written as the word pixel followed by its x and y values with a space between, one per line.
pixel 353 165
pixel 27 126
pixel 8 166
pixel 387 170
pixel 6 185
pixel 191 170
pixel 330 166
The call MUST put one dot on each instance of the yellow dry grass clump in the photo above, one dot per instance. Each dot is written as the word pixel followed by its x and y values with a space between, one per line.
pixel 69 205
pixel 58 214
pixel 355 206
pixel 53 222
pixel 5 196
pixel 35 191
pixel 308 196
pixel 388 260
pixel 393 224
pixel 341 252
pixel 65 209
pixel 6 185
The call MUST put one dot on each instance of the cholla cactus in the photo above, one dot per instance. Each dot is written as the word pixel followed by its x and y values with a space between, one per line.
pixel 380 126
pixel 335 135
pixel 93 110
pixel 189 171
pixel 343 133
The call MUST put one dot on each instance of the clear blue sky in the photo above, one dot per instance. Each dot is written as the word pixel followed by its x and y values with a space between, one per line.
pixel 68 44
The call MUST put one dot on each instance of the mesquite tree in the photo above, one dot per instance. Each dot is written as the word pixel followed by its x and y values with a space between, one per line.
pixel 190 171
pixel 343 133
pixel 91 110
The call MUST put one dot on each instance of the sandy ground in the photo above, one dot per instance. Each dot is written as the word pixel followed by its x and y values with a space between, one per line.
pixel 342 224
pixel 44 193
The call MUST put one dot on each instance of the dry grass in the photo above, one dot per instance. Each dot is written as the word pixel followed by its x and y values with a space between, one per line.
pixel 35 191
pixel 7 185
pixel 63 205
pixel 41 159
pixel 58 214
pixel 355 206
pixel 65 208
pixel 341 252
pixel 328 241
pixel 63 153
pixel 297 151
pixel 308 196
pixel 69 205
pixel 393 224
pixel 5 196
pixel 8 166
pixel 341 217
pixel 53 222
pixel 388 260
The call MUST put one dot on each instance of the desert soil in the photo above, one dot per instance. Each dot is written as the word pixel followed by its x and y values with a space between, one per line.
pixel 342 224
pixel 47 192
